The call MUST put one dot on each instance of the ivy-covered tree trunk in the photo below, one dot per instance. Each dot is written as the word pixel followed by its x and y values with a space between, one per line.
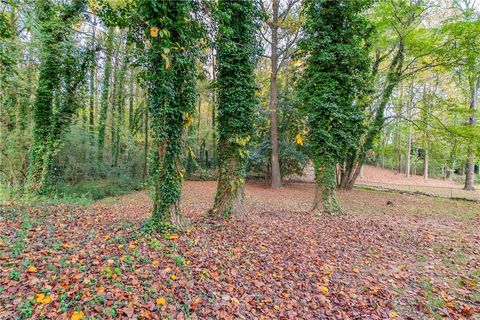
pixel 331 87
pixel 171 78
pixel 54 21
pixel 325 191
pixel 236 100
pixel 104 99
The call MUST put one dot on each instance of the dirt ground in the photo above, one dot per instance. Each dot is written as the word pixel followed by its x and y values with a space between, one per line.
pixel 392 257
pixel 376 175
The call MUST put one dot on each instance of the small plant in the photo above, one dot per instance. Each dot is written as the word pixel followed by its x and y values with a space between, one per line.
pixel 14 275
pixel 25 309
pixel 180 261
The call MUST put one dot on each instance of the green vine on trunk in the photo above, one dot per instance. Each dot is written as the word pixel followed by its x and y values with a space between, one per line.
pixel 237 56
pixel 336 69
pixel 62 69
pixel 171 55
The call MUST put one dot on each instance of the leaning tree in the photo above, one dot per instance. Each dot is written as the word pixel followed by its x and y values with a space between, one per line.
pixel 237 52
pixel 171 53
pixel 334 75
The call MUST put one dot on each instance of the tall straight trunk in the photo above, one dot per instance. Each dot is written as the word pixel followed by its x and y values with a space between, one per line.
pixel 214 114
pixel 275 156
pixel 425 165
pixel 470 166
pixel 42 116
pixel 237 100
pixel 115 98
pixel 120 106
pixel 91 119
pixel 408 165
pixel 104 99
pixel 131 98
pixel 145 144
pixel 426 134
pixel 408 154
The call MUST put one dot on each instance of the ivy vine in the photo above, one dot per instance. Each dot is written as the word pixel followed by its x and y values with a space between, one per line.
pixel 336 69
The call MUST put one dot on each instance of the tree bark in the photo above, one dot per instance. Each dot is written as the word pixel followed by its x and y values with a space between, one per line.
pixel 357 157
pixel 275 156
pixel 470 166
pixel 104 100
pixel 92 80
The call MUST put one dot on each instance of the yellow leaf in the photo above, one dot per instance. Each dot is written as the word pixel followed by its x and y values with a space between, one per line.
pixel 324 290
pixel 41 298
pixel 276 307
pixel 155 262
pixel 355 270
pixel 327 272
pixel 160 301
pixel 132 246
pixel 188 120
pixel 106 237
pixel 120 246
pixel 173 277
pixel 173 236
pixel 110 261
pixel 77 315
pixel 393 314
pixel 299 139
pixel 66 246
pixel 285 295
pixel 32 269
pixel 154 32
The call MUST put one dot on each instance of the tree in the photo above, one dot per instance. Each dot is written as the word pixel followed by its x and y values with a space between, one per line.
pixel 104 99
pixel 407 48
pixel 60 73
pixel 335 72
pixel 464 36
pixel 281 35
pixel 171 56
pixel 237 51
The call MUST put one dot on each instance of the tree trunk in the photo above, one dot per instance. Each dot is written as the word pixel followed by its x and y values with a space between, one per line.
pixel 104 100
pixel 325 200
pixel 92 81
pixel 425 165
pixel 470 167
pixel 275 156
pixel 145 145
pixel 357 157
pixel 230 190
pixel 408 152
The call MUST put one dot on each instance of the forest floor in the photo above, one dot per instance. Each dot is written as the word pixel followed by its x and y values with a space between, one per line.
pixel 393 257
pixel 384 178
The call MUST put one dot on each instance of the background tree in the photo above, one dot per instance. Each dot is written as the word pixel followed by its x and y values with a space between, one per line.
pixel 280 34
pixel 335 72
pixel 54 21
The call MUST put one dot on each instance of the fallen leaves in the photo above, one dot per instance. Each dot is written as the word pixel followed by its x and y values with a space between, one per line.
pixel 32 269
pixel 93 259
pixel 324 290
pixel 42 299
pixel 160 301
